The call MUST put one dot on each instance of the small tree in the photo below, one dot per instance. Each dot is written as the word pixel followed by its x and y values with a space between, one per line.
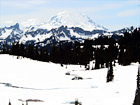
pixel 110 75
pixel 9 102
pixel 77 102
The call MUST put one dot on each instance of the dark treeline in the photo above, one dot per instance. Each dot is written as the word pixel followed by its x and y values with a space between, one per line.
pixel 104 51
pixel 129 48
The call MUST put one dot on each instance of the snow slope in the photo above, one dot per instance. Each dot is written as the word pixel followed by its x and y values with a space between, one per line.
pixel 30 79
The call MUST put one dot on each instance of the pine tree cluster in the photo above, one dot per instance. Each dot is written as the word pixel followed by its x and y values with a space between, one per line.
pixel 103 51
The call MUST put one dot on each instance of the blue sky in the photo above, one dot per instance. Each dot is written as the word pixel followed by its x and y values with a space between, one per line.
pixel 112 14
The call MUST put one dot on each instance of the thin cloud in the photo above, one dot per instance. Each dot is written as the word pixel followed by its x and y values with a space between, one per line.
pixel 22 3
pixel 119 5
pixel 128 13
pixel 9 22
pixel 109 6
pixel 30 22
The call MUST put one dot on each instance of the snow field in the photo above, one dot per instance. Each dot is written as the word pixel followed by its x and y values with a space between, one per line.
pixel 48 82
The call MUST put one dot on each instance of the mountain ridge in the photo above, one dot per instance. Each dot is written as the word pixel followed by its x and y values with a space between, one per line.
pixel 63 32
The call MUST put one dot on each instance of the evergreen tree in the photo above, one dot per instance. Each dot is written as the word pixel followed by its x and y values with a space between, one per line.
pixel 53 52
pixel 4 49
pixel 36 53
pixel 97 58
pixel 21 50
pixel 9 102
pixel 88 51
pixel 30 51
pixel 46 55
pixel 110 75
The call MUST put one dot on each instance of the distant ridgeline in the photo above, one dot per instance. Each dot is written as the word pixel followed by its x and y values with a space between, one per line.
pixel 104 50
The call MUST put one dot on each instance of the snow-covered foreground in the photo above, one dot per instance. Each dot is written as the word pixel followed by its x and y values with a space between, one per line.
pixel 30 79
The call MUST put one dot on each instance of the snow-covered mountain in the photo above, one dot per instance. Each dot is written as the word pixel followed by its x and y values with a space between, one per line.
pixel 55 35
pixel 10 34
pixel 71 19
pixel 10 31
pixel 121 31
pixel 65 33
pixel 65 26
